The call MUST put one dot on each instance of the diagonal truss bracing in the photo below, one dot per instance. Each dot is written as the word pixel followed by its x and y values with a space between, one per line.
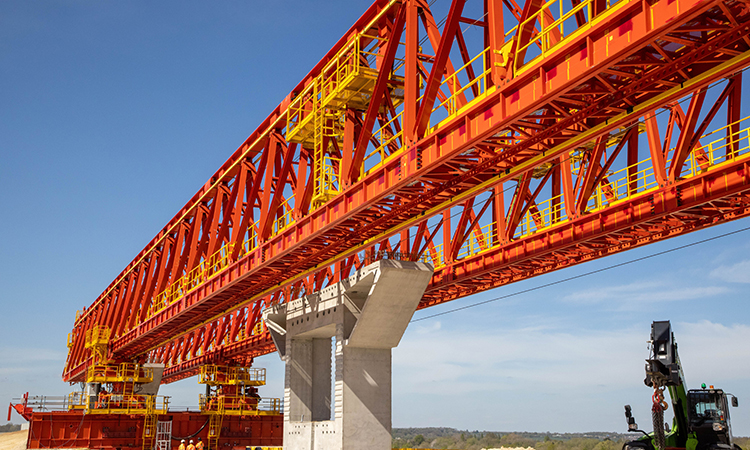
pixel 536 143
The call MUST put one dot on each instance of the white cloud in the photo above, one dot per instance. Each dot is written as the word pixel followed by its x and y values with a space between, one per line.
pixel 428 327
pixel 543 378
pixel 14 370
pixel 460 360
pixel 632 295
pixel 714 352
pixel 14 355
pixel 734 273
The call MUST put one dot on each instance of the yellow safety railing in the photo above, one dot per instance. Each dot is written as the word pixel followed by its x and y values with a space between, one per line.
pixel 77 400
pixel 478 241
pixel 480 80
pixel 97 336
pixel 325 182
pixel 239 405
pixel 251 242
pixel 718 150
pixel 119 403
pixel 285 216
pixel 199 275
pixel 553 22
pixel 385 137
pixel 625 183
pixel 339 83
pixel 552 27
pixel 436 256
pixel 327 91
pixel 339 72
pixel 212 374
pixel 130 404
pixel 124 372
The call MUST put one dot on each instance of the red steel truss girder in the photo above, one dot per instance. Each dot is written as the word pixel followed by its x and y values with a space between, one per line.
pixel 250 147
pixel 710 198
pixel 670 211
pixel 541 253
pixel 515 101
pixel 238 155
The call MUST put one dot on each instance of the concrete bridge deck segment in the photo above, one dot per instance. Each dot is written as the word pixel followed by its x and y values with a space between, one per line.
pixel 367 314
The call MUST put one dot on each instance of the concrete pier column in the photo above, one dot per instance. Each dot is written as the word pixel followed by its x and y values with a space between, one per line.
pixel 321 379
pixel 365 396
pixel 298 399
pixel 366 314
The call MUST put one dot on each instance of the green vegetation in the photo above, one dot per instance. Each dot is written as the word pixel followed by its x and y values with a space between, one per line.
pixel 9 427
pixel 450 438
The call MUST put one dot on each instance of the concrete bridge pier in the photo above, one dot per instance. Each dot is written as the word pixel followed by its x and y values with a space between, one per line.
pixel 367 314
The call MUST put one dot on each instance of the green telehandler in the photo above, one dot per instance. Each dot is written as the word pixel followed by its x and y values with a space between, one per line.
pixel 701 416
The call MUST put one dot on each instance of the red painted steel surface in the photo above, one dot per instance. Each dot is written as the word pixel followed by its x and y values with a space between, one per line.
pixel 73 429
pixel 546 114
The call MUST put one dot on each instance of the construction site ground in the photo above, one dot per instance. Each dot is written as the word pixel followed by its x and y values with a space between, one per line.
pixel 15 440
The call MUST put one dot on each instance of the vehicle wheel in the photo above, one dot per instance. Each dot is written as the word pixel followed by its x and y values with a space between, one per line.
pixel 638 445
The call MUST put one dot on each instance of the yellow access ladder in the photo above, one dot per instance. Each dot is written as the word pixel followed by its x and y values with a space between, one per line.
pixel 149 431
pixel 214 431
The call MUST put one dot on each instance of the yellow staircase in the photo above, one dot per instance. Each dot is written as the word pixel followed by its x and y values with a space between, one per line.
pixel 316 116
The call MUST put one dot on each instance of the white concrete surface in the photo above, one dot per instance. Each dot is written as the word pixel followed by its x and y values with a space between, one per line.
pixel 367 315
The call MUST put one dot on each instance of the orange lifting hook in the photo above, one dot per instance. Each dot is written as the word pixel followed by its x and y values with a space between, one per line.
pixel 658 398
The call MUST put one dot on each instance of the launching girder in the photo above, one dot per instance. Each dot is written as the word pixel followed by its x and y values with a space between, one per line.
pixel 494 158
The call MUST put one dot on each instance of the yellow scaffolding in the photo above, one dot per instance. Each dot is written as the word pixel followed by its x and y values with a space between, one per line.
pixel 214 375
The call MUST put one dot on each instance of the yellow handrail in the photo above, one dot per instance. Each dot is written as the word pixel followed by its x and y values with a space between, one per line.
pixel 552 211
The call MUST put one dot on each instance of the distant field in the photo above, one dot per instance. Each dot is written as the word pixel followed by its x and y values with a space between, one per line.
pixel 451 438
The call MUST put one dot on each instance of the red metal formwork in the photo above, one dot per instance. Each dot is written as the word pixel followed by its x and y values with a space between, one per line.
pixel 73 429
pixel 314 192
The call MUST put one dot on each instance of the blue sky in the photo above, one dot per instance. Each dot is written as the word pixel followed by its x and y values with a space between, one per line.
pixel 113 114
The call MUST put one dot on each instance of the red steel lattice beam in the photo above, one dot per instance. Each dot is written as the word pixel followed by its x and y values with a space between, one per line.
pixel 242 237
